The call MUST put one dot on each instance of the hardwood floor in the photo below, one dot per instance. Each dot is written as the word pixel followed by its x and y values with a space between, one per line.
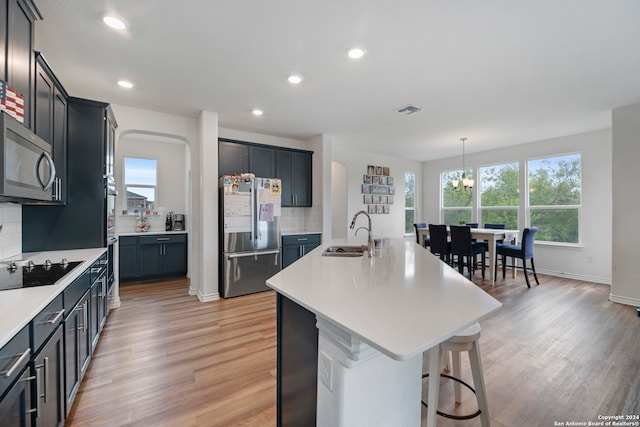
pixel 554 353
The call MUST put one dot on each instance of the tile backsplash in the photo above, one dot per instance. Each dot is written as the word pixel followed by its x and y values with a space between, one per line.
pixel 11 232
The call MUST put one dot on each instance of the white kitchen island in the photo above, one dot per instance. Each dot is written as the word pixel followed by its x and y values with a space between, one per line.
pixel 375 318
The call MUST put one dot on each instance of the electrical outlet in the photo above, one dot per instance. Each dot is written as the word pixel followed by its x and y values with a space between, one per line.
pixel 589 260
pixel 326 371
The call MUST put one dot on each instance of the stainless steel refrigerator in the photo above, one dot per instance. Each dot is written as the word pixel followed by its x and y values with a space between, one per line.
pixel 250 230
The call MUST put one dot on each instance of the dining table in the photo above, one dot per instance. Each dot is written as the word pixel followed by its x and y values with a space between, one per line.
pixel 492 236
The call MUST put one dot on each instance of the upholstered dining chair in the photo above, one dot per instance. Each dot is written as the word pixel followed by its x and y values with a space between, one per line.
pixel 462 246
pixel 440 241
pixel 427 240
pixel 524 251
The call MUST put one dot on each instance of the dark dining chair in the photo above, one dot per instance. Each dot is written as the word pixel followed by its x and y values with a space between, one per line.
pixel 524 251
pixel 439 241
pixel 427 241
pixel 462 246
pixel 473 225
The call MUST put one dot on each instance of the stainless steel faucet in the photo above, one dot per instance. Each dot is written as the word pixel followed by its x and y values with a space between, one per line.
pixel 370 239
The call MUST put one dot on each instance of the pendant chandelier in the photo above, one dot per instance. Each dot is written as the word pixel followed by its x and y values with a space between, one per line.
pixel 467 183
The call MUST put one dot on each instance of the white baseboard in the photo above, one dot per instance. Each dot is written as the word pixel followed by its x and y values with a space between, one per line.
pixel 584 278
pixel 624 300
pixel 209 297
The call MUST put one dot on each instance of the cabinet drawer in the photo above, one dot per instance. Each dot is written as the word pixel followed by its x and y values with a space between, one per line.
pixel 98 268
pixel 163 238
pixel 46 322
pixel 14 356
pixel 75 291
pixel 301 239
pixel 127 240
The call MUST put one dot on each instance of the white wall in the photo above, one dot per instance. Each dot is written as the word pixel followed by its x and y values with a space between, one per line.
pixel 389 225
pixel 592 259
pixel 625 286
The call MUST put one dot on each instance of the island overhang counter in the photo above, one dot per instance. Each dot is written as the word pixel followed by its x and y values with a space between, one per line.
pixel 375 317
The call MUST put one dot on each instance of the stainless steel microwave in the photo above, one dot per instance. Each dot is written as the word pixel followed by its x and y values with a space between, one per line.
pixel 27 172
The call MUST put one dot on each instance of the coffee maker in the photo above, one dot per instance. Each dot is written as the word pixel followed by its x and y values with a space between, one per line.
pixel 178 222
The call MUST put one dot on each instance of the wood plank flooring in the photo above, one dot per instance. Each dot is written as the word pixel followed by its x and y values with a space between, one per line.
pixel 554 353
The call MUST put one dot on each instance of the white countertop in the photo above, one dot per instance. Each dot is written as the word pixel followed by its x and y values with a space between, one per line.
pixel 150 233
pixel 19 306
pixel 402 303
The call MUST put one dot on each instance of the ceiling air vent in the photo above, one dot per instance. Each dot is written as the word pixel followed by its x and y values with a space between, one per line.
pixel 409 109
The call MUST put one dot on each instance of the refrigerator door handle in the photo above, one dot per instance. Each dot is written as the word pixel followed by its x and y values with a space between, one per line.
pixel 253 214
pixel 248 254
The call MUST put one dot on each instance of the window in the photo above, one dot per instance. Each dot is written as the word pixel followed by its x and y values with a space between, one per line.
pixel 457 204
pixel 140 183
pixel 409 201
pixel 499 194
pixel 555 197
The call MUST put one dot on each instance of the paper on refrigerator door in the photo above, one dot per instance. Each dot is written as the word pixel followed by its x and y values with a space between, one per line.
pixel 270 193
pixel 266 212
pixel 237 213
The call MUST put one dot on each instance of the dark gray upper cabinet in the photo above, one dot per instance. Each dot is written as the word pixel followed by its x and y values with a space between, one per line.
pixel 81 223
pixel 50 120
pixel 232 158
pixel 18 17
pixel 292 166
pixel 262 161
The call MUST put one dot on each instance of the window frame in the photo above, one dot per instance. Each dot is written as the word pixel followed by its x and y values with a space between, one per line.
pixel 127 185
pixel 528 207
pixel 480 207
pixel 415 202
pixel 473 205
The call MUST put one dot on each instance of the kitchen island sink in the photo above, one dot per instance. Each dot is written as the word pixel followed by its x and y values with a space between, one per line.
pixel 344 251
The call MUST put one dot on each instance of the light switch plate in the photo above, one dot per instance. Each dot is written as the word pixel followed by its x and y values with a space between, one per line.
pixel 326 371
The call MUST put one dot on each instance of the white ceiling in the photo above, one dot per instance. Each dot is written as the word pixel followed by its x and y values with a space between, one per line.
pixel 500 72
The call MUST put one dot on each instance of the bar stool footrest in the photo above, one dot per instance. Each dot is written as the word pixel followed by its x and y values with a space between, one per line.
pixel 451 416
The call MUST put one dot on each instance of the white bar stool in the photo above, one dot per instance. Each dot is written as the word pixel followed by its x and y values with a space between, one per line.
pixel 466 340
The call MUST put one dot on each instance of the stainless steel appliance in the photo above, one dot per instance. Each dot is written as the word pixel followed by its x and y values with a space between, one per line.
pixel 110 195
pixel 27 172
pixel 250 230
pixel 178 222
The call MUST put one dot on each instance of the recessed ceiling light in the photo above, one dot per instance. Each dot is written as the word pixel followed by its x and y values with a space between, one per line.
pixel 355 53
pixel 257 112
pixel 295 79
pixel 125 84
pixel 113 22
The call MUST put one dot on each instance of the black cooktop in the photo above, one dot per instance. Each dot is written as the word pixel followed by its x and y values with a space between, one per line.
pixel 36 275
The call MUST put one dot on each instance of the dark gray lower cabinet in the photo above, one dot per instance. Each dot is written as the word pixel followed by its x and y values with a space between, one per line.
pixel 15 406
pixel 297 364
pixel 15 381
pixel 77 331
pixel 48 367
pixel 296 246
pixel 128 256
pixel 153 257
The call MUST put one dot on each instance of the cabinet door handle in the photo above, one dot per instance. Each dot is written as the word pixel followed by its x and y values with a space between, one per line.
pixel 45 366
pixel 300 251
pixel 21 359
pixel 57 316
pixel 160 239
pixel 32 410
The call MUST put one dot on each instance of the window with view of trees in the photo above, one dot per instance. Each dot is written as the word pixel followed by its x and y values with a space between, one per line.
pixel 140 183
pixel 499 194
pixel 555 197
pixel 457 204
pixel 409 201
